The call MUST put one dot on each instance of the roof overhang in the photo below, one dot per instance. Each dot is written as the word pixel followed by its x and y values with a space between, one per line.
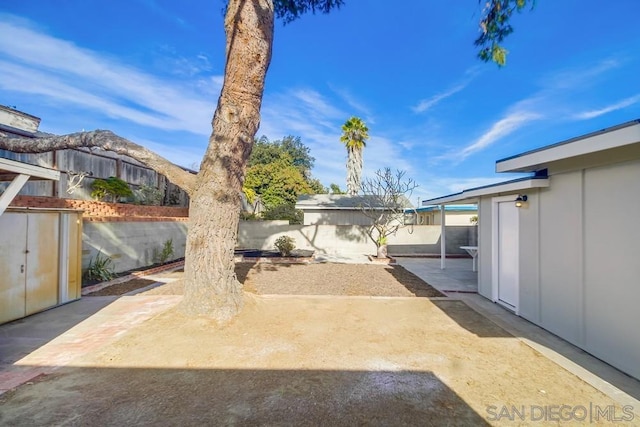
pixel 338 208
pixel 450 208
pixel 472 195
pixel 606 139
pixel 19 173
pixel 10 168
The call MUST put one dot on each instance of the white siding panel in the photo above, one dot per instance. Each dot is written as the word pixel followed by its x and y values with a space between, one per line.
pixel 529 306
pixel 612 268
pixel 561 256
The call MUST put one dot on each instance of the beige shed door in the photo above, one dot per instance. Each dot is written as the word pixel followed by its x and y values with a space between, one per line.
pixel 29 254
pixel 13 261
pixel 42 261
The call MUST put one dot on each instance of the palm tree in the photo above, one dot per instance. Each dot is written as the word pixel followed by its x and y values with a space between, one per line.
pixel 354 135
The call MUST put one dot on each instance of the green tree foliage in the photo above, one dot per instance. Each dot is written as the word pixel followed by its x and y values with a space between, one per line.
pixel 110 189
pixel 290 10
pixel 277 182
pixel 279 171
pixel 335 189
pixel 265 151
pixel 495 25
pixel 316 186
pixel 354 134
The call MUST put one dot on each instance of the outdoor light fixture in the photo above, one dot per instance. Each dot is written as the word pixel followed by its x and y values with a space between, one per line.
pixel 521 200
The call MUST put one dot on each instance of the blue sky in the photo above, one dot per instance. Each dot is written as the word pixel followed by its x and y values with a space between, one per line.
pixel 151 71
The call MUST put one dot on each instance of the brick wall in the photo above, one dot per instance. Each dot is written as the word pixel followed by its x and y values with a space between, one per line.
pixel 101 211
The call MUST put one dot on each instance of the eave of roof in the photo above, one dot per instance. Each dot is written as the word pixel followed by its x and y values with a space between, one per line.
pixel 9 168
pixel 16 131
pixel 471 195
pixel 605 139
pixel 450 208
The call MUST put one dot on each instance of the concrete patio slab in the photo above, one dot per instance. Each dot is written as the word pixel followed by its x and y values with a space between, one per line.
pixel 457 277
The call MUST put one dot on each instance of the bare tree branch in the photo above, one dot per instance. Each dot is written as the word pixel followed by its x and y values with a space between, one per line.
pixel 106 140
pixel 384 201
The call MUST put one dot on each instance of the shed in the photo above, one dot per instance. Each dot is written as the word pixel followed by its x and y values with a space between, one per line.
pixel 40 249
pixel 565 256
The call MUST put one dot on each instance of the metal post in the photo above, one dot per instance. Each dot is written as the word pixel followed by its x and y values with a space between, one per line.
pixel 443 240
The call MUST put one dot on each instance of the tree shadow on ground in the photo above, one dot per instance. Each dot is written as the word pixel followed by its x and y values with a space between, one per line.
pixel 413 283
pixel 160 396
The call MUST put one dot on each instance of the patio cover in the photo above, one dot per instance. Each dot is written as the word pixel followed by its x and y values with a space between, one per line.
pixel 19 173
pixel 473 195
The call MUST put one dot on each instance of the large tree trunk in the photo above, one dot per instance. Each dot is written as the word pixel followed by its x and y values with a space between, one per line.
pixel 212 288
pixel 354 170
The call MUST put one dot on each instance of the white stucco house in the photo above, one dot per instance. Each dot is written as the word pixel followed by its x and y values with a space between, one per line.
pixel 342 209
pixel 567 259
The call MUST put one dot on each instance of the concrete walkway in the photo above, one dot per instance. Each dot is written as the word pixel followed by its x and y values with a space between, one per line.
pixel 47 341
pixel 459 282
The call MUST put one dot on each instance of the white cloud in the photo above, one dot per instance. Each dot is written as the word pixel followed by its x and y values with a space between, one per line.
pixel 608 109
pixel 499 130
pixel 579 77
pixel 36 63
pixel 355 104
pixel 428 103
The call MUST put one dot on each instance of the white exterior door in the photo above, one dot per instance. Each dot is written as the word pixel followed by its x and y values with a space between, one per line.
pixel 506 253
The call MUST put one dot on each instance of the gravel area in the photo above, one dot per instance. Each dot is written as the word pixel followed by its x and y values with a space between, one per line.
pixel 309 279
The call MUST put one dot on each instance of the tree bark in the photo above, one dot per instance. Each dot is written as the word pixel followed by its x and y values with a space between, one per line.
pixel 106 140
pixel 212 288
pixel 354 170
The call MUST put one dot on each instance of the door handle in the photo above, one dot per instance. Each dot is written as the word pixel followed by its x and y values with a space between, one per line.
pixel 22 268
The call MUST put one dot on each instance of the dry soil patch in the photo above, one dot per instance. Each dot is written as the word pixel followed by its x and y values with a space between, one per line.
pixel 316 279
pixel 291 360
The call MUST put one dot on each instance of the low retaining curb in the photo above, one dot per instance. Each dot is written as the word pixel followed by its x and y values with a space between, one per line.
pixel 134 275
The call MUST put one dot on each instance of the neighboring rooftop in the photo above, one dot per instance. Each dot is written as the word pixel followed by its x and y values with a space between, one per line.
pixel 17 122
pixel 342 202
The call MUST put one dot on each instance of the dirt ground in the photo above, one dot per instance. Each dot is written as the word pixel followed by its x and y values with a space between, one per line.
pixel 304 279
pixel 308 360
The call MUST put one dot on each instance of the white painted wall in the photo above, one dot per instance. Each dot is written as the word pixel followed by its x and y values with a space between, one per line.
pixel 561 256
pixel 579 267
pixel 131 244
pixel 335 239
pixel 611 264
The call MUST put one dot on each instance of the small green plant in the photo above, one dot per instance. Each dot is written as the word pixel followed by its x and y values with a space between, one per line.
pixel 100 268
pixel 474 220
pixel 162 256
pixel 110 189
pixel 285 244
